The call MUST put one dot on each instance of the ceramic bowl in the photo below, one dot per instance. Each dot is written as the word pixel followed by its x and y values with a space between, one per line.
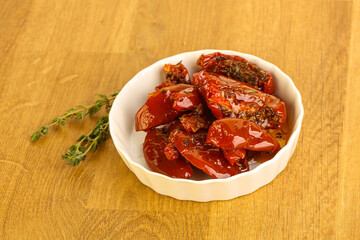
pixel 200 187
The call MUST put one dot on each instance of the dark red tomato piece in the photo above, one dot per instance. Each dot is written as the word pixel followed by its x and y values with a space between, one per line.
pixel 229 98
pixel 176 73
pixel 235 133
pixel 207 158
pixel 164 84
pixel 193 122
pixel 153 148
pixel 238 157
pixel 174 125
pixel 260 156
pixel 244 165
pixel 239 69
pixel 235 155
pixel 171 152
pixel 158 109
pixel 186 99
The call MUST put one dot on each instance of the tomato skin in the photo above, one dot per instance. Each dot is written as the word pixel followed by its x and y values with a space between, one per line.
pixel 158 108
pixel 269 85
pixel 173 126
pixel 235 155
pixel 239 69
pixel 237 134
pixel 171 152
pixel 207 158
pixel 187 99
pixel 176 73
pixel 229 98
pixel 164 84
pixel 153 148
pixel 192 122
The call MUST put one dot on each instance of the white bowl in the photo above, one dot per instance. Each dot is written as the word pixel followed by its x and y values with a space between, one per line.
pixel 200 188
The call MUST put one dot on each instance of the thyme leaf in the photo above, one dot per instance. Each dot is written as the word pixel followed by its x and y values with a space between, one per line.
pixel 89 142
pixel 78 112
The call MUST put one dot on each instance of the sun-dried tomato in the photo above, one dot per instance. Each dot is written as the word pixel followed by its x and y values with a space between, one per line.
pixel 207 158
pixel 229 98
pixel 237 134
pixel 164 105
pixel 239 69
pixel 154 144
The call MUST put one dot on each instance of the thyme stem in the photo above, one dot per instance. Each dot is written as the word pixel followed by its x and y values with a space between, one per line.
pixel 89 142
pixel 79 112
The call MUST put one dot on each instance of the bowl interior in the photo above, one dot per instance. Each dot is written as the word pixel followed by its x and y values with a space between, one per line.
pixel 134 94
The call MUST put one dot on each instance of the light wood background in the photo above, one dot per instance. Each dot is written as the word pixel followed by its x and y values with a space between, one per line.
pixel 58 54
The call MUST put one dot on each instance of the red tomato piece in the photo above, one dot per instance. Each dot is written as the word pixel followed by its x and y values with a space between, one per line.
pixel 244 165
pixel 153 148
pixel 158 108
pixel 164 84
pixel 193 122
pixel 235 133
pixel 229 98
pixel 207 158
pixel 260 156
pixel 239 69
pixel 171 152
pixel 176 73
pixel 173 126
pixel 186 99
pixel 234 156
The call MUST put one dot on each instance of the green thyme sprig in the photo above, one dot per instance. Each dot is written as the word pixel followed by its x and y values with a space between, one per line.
pixel 89 142
pixel 78 112
pixel 85 143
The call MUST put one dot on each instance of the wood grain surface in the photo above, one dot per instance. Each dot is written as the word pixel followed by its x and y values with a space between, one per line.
pixel 58 54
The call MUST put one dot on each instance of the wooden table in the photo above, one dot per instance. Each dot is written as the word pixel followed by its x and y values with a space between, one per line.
pixel 58 54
